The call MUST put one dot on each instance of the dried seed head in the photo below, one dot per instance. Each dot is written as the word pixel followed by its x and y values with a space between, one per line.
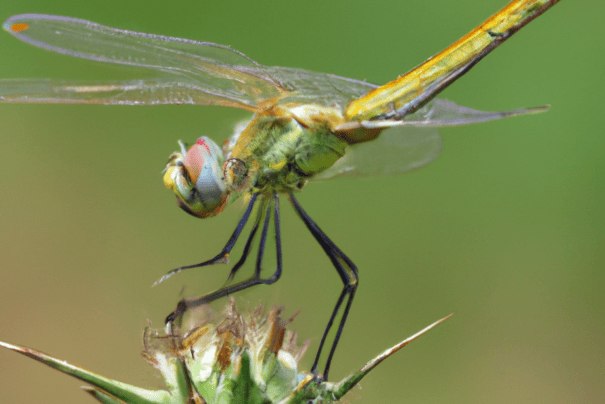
pixel 221 352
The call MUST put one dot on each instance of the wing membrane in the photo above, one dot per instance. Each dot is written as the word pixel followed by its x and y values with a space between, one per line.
pixel 307 87
pixel 441 112
pixel 132 92
pixel 410 143
pixel 199 72
pixel 395 151
pixel 191 66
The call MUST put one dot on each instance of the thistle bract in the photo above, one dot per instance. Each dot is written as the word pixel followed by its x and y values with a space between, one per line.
pixel 223 359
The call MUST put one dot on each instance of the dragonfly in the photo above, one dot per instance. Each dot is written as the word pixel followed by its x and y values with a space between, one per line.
pixel 304 126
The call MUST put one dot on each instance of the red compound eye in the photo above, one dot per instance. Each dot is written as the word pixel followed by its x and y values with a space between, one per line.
pixel 203 143
pixel 195 159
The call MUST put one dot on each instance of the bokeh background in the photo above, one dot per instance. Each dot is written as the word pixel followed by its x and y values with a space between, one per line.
pixel 506 229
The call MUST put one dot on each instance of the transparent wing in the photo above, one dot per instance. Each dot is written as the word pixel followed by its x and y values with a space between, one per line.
pixel 409 143
pixel 201 72
pixel 161 90
pixel 395 151
pixel 307 87
pixel 442 112
pixel 191 72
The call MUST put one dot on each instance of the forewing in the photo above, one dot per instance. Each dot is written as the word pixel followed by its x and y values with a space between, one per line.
pixel 154 91
pixel 307 87
pixel 199 72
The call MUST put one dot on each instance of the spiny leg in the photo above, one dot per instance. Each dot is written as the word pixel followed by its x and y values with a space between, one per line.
pixel 256 279
pixel 348 274
pixel 248 246
pixel 224 254
pixel 278 253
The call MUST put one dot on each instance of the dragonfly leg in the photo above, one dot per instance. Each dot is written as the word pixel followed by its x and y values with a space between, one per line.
pixel 223 256
pixel 248 246
pixel 256 279
pixel 349 276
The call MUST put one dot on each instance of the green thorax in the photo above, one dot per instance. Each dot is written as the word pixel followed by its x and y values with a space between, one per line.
pixel 281 152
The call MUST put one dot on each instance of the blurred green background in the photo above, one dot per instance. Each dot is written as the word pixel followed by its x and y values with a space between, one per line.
pixel 506 228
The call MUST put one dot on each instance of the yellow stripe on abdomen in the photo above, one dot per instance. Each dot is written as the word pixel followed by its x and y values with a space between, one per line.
pixel 465 51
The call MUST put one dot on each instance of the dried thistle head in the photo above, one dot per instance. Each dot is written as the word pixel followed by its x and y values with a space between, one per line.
pixel 251 354
pixel 228 358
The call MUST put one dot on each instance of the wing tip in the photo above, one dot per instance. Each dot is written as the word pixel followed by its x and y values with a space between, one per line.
pixel 542 108
pixel 15 28
pixel 20 22
pixel 15 24
pixel 527 111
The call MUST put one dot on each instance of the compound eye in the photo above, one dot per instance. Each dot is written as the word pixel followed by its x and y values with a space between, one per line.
pixel 196 179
